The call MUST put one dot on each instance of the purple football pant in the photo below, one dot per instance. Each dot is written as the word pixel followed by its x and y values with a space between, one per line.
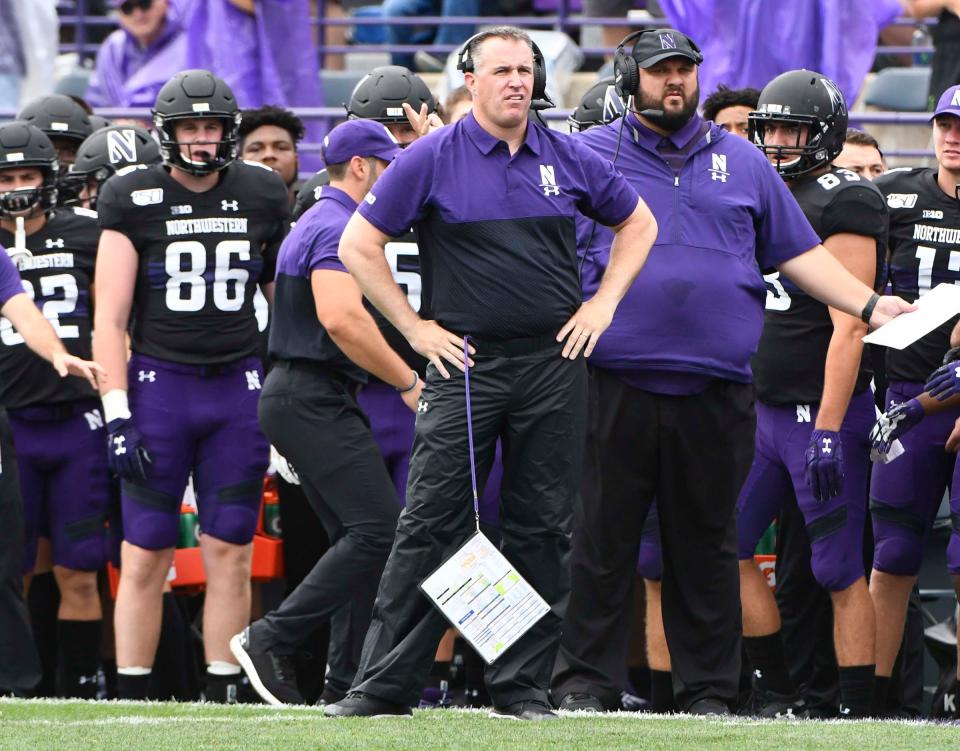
pixel 906 493
pixel 650 560
pixel 393 424
pixel 64 481
pixel 835 527
pixel 200 420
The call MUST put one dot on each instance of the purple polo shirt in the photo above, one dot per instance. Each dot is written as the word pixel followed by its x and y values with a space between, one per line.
pixel 695 312
pixel 10 283
pixel 295 331
pixel 497 233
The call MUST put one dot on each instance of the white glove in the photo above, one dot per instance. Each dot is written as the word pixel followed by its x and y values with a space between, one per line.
pixel 282 467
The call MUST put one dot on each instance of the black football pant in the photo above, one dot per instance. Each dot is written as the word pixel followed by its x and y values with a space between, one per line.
pixel 524 392
pixel 692 453
pixel 19 663
pixel 312 417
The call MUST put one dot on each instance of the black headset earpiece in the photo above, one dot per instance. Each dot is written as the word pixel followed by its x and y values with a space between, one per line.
pixel 465 65
pixel 626 72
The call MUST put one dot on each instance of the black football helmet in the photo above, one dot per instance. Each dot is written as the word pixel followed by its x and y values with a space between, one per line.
pixel 193 94
pixel 102 154
pixel 58 116
pixel 381 93
pixel 25 145
pixel 309 194
pixel 98 122
pixel 600 105
pixel 802 97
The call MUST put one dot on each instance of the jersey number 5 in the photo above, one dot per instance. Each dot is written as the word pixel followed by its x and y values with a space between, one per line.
pixel 408 280
pixel 777 297
pixel 52 309
pixel 187 284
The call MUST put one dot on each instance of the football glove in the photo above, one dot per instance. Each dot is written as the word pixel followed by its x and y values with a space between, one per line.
pixel 284 468
pixel 944 382
pixel 824 460
pixel 895 423
pixel 126 454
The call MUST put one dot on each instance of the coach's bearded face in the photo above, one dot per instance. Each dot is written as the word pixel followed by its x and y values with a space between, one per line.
pixel 670 87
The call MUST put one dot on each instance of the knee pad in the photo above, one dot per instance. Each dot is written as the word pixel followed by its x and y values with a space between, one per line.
pixel 836 550
pixel 231 513
pixel 898 540
pixel 151 518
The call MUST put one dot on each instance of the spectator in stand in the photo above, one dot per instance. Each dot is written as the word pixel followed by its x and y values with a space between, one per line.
pixel 447 34
pixel 12 64
pixel 138 58
pixel 946 42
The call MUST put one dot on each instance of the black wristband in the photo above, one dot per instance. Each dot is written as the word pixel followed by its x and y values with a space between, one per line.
pixel 868 308
pixel 412 386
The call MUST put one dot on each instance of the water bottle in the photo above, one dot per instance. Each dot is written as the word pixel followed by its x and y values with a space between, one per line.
pixel 921 38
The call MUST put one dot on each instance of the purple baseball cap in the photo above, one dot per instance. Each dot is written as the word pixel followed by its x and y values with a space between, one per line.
pixel 949 103
pixel 358 138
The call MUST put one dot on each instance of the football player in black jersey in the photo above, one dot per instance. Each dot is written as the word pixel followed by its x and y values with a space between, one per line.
pixel 906 493
pixel 65 122
pixel 57 425
pixel 102 154
pixel 381 95
pixel 814 406
pixel 183 248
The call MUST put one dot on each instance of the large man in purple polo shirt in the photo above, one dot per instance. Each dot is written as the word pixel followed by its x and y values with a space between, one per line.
pixel 494 200
pixel 671 382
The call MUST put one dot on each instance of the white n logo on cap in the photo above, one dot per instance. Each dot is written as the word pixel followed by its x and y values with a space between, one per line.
pixel 667 42
pixel 955 102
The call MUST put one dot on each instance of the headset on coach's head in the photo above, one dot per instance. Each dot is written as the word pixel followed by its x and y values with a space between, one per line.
pixel 538 96
pixel 626 70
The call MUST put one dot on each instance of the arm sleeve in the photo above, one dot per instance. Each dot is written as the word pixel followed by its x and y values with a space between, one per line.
pixel 10 283
pixel 783 230
pixel 609 198
pixel 399 198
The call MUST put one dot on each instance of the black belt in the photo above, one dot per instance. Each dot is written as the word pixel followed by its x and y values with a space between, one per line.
pixel 514 347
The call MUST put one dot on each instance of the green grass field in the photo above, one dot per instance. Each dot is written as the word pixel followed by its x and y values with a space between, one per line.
pixel 62 725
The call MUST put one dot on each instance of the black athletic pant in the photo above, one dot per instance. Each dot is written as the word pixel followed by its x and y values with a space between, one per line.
pixel 692 453
pixel 19 662
pixel 524 392
pixel 311 415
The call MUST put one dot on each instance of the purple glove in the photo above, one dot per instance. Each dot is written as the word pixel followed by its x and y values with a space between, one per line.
pixel 895 423
pixel 126 454
pixel 825 464
pixel 944 382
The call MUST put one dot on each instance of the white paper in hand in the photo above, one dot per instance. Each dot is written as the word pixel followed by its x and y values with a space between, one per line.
pixel 933 309
pixel 484 597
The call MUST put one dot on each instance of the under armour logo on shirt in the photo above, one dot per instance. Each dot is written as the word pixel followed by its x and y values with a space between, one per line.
pixel 147 375
pixel 58 243
pixel 253 380
pixel 826 445
pixel 229 205
pixel 118 448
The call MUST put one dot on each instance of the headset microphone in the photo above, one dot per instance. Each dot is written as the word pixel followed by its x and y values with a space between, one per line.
pixel 652 114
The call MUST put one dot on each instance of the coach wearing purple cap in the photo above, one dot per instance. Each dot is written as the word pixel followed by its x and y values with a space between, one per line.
pixel 671 378
pixel 324 343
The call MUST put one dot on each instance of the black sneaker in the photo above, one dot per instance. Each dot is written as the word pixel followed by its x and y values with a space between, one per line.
pixel 770 705
pixel 359 704
pixel 272 676
pixel 532 711
pixel 580 702
pixel 709 707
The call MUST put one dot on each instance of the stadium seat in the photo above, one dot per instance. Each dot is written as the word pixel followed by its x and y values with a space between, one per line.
pixel 338 85
pixel 899 89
